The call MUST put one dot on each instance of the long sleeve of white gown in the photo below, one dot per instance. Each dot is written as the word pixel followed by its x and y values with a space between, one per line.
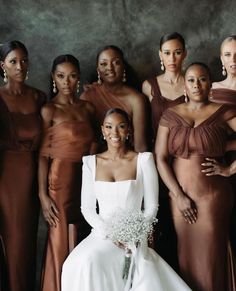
pixel 150 185
pixel 88 198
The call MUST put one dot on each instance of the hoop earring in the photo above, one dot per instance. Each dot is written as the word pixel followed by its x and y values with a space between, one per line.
pixel 78 87
pixel 99 79
pixel 124 77
pixel 5 76
pixel 54 89
pixel 185 97
pixel 27 75
pixel 162 65
pixel 223 70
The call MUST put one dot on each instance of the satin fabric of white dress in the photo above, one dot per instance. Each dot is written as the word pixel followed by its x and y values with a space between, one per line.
pixel 96 264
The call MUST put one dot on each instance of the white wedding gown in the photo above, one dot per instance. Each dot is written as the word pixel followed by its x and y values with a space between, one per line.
pixel 96 264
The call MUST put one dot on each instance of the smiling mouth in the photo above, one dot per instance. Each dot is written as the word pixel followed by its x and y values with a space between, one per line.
pixel 115 139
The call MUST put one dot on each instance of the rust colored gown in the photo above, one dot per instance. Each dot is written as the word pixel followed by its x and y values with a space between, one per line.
pixel 65 144
pixel 204 252
pixel 228 96
pixel 103 100
pixel 160 103
pixel 164 241
pixel 19 205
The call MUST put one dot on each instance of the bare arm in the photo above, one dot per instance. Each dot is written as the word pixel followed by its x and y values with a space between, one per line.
pixel 185 205
pixel 139 123
pixel 50 211
pixel 147 90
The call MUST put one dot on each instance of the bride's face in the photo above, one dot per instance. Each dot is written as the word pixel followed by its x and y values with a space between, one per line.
pixel 115 130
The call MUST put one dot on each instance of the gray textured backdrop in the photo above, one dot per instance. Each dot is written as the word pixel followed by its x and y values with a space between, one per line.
pixel 81 27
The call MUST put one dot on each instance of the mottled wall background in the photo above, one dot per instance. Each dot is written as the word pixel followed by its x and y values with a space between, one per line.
pixel 80 27
pixel 49 28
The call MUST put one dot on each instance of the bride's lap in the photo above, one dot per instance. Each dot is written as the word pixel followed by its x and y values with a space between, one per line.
pixel 93 249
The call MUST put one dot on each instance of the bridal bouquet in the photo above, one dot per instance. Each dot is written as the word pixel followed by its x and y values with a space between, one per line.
pixel 129 228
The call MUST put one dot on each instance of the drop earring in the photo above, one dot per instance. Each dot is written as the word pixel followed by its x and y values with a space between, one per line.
pixel 162 65
pixel 5 76
pixel 54 89
pixel 27 75
pixel 185 97
pixel 99 79
pixel 78 84
pixel 223 70
pixel 124 77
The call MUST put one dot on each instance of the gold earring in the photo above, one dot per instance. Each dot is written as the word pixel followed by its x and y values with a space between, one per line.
pixel 27 75
pixel 223 70
pixel 54 89
pixel 78 87
pixel 124 77
pixel 162 65
pixel 185 97
pixel 99 79
pixel 5 76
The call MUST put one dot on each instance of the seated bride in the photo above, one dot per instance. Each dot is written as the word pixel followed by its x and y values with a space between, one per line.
pixel 118 179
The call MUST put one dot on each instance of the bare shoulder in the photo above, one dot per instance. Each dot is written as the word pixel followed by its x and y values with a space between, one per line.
pixel 146 88
pixel 47 111
pixel 217 85
pixel 134 96
pixel 89 106
pixel 177 108
pixel 38 95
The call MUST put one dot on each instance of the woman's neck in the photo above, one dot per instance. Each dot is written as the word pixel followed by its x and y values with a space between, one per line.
pixel 15 88
pixel 230 82
pixel 113 87
pixel 173 77
pixel 197 106
pixel 116 153
pixel 65 99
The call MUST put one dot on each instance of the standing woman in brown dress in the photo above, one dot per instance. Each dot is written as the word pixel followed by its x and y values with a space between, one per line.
pixel 195 135
pixel 20 125
pixel 68 136
pixel 167 89
pixel 111 91
pixel 225 92
pixel 164 91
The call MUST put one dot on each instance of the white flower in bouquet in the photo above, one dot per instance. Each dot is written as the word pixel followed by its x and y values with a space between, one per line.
pixel 129 228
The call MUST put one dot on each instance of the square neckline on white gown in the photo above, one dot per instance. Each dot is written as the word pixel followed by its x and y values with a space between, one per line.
pixel 127 180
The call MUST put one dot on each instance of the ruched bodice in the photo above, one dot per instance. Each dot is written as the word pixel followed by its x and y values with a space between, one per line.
pixel 69 140
pixel 206 139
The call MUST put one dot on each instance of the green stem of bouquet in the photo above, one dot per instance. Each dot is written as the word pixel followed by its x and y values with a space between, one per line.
pixel 126 268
